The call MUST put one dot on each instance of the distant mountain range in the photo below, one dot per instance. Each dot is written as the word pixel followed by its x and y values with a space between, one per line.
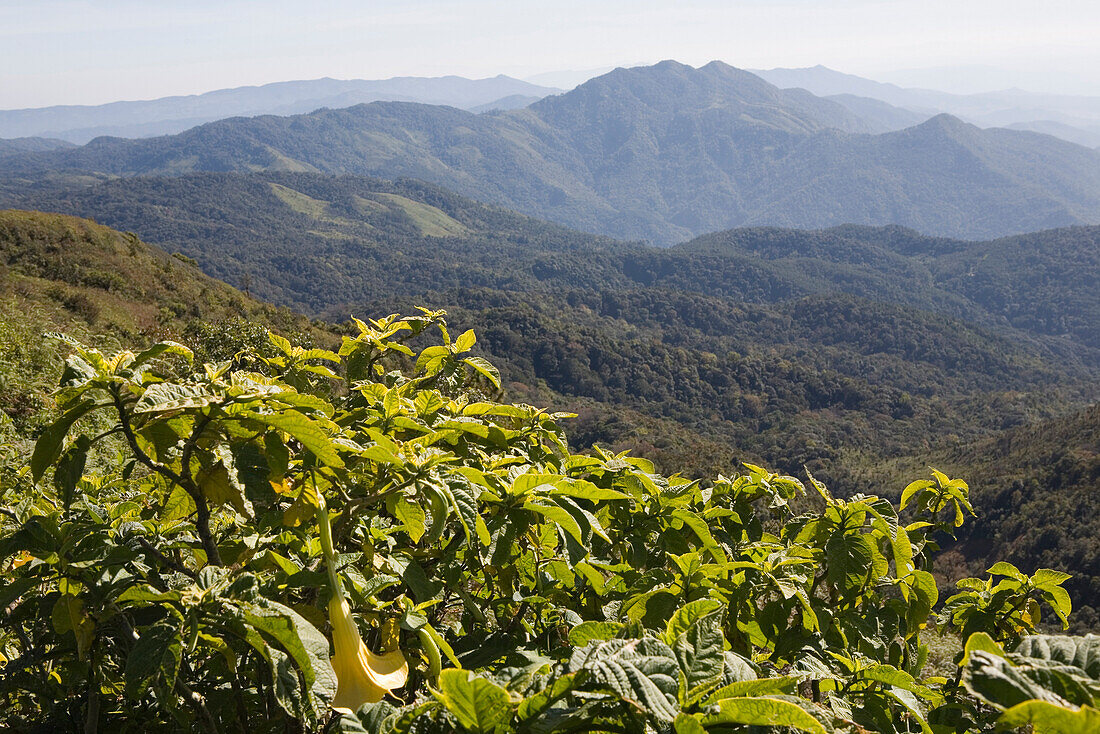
pixel 1072 118
pixel 32 145
pixel 660 153
pixel 167 115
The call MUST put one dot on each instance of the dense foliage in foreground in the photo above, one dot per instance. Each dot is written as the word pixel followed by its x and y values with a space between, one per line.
pixel 168 555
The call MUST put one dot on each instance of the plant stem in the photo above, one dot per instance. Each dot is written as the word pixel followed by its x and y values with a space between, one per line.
pixel 324 528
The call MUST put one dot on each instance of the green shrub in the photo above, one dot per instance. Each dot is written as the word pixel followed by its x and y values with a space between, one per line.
pixel 478 576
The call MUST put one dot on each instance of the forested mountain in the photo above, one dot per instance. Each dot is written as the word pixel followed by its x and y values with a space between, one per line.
pixel 883 117
pixel 167 115
pixel 658 153
pixel 321 243
pixel 794 347
pixel 31 145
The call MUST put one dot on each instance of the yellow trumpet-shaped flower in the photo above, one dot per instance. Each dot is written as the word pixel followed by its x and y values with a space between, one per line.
pixel 362 676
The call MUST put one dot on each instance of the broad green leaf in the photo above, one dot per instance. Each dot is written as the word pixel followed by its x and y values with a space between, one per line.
pixel 479 705
pixel 1050 718
pixel 1080 652
pixel 1002 684
pixel 758 687
pixel 463 500
pixel 165 347
pixel 70 469
pixel 688 615
pixel 556 514
pixel 301 640
pixel 581 489
pixel 537 703
pixel 1001 568
pixel 465 341
pixel 701 529
pixel 590 631
pixel 762 711
pixel 850 561
pixel 220 488
pixel 684 724
pixel 50 444
pixel 912 489
pixel 891 676
pixel 411 515
pixel 980 641
pixel 1046 578
pixel 165 397
pixel 643 672
pixel 485 368
pixel 699 652
pixel 306 431
pixel 154 657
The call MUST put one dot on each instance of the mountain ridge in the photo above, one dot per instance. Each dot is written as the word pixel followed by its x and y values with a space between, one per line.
pixel 1072 118
pixel 173 114
pixel 660 153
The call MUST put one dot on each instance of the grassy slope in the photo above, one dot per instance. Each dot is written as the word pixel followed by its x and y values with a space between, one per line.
pixel 61 273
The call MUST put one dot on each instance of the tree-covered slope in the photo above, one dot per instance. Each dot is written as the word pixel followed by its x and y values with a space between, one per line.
pixel 693 378
pixel 322 243
pixel 844 339
pixel 659 153
pixel 31 145
pixel 1039 487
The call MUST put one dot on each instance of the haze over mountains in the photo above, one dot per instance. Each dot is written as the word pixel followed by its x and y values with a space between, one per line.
pixel 1072 118
pixel 167 115
pixel 659 153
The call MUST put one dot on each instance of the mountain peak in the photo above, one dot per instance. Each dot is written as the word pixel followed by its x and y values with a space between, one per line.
pixel 668 93
pixel 948 123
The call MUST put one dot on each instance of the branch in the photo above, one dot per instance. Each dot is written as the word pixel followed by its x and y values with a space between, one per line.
pixel 202 510
pixel 131 439
pixel 165 560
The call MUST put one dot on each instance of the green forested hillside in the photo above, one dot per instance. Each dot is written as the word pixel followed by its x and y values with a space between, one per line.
pixel 1039 487
pixel 31 145
pixel 322 243
pixel 840 350
pixel 659 153
pixel 228 506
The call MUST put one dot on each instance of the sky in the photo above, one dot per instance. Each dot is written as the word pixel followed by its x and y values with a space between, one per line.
pixel 95 51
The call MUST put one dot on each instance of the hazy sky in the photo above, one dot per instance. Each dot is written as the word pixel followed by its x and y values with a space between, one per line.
pixel 94 51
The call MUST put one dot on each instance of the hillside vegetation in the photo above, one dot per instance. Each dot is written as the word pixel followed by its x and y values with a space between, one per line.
pixel 764 345
pixel 174 529
pixel 659 153
pixel 64 274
